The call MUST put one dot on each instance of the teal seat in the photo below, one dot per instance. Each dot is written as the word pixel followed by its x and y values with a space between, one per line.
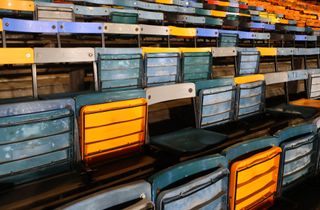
pixel 161 68
pixel 228 40
pixel 197 184
pixel 196 66
pixel 299 154
pixel 119 68
pixel 188 140
pixel 248 62
pixel 216 102
pixel 135 195
pixel 38 140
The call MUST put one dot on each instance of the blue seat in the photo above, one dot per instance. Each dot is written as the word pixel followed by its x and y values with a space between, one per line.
pixel 216 103
pixel 196 184
pixel 67 28
pixel 161 67
pixel 29 26
pixel 38 140
pixel 135 195
pixel 247 62
pixel 119 68
pixel 299 154
pixel 185 141
pixel 250 95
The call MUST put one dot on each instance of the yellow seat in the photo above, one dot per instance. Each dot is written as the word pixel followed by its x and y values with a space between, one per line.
pixel 16 56
pixel 253 180
pixel 112 129
pixel 17 5
pixel 1 26
pixel 159 50
pixel 191 50
pixel 267 51
pixel 183 32
pixel 217 13
pixel 307 102
pixel 248 79
pixel 164 1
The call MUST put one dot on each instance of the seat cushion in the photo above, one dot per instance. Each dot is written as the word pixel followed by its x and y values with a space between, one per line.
pixel 307 103
pixel 187 141
pixel 293 110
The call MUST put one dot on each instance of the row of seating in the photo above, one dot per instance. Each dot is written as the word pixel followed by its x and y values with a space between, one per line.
pixel 113 123
pixel 115 68
pixel 250 174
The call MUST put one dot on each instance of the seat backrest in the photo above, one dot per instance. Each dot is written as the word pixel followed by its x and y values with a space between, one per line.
pixel 300 153
pixel 119 68
pixel 248 62
pixel 138 192
pixel 47 11
pixel 17 5
pixel 276 78
pixel 161 66
pixel 196 64
pixel 16 56
pixel 182 31
pixel 216 102
pixel 313 88
pixel 80 28
pixel 118 28
pixel 250 95
pixel 38 139
pixel 254 167
pixel 111 123
pixel 30 26
pixel 166 93
pixel 228 40
pixel 207 32
pixel 185 186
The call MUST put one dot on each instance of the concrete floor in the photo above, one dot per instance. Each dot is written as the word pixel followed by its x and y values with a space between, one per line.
pixel 305 196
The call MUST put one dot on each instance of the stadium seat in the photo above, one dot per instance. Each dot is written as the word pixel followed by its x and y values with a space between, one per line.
pixel 185 141
pixel 250 95
pixel 228 40
pixel 38 140
pixel 248 61
pixel 17 56
pixel 254 167
pixel 216 102
pixel 119 68
pixel 135 195
pixel 17 5
pixel 46 11
pixel 63 55
pixel 196 184
pixel 161 66
pixel 28 26
pixel 196 64
pixel 111 124
pixel 67 28
pixel 299 154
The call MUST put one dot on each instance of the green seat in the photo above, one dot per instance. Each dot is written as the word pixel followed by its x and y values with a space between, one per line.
pixel 188 141
pixel 121 17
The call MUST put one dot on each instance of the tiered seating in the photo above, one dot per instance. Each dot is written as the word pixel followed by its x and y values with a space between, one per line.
pixel 159 53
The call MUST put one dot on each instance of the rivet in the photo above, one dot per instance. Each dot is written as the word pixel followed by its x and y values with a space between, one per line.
pixel 149 97
pixel 190 90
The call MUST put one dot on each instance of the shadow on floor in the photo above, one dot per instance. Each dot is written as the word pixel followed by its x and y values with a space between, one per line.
pixel 306 196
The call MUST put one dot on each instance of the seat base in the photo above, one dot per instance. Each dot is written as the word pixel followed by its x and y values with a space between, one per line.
pixel 188 141
pixel 307 103
pixel 294 110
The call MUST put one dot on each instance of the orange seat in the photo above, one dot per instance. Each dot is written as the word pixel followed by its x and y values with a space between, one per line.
pixel 253 180
pixel 307 102
pixel 111 129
